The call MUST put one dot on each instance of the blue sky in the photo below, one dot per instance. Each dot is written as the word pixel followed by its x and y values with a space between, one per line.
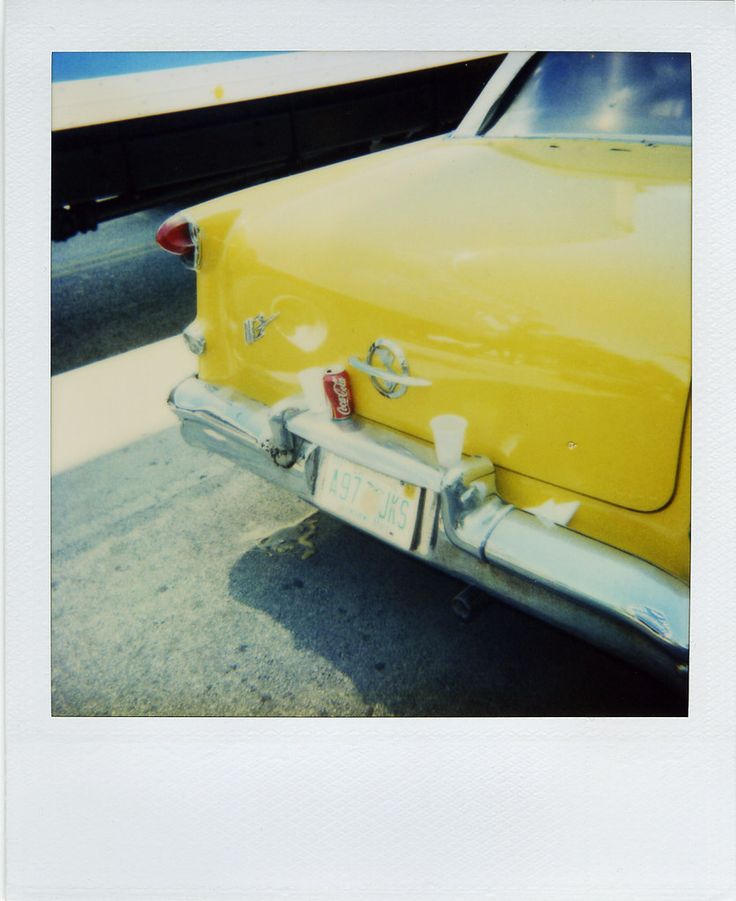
pixel 77 66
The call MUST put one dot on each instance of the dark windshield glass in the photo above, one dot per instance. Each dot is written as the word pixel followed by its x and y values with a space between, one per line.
pixel 619 94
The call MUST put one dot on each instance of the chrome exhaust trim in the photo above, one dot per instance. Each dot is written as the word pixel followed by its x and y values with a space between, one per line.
pixel 602 594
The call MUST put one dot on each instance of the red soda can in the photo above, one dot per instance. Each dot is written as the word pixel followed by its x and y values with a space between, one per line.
pixel 339 393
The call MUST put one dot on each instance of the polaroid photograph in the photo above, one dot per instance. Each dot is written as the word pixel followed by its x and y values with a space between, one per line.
pixel 497 389
pixel 365 450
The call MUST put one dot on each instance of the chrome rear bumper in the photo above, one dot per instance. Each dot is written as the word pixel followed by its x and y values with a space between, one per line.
pixel 602 594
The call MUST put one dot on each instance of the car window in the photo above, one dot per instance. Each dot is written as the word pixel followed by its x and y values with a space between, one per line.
pixel 632 95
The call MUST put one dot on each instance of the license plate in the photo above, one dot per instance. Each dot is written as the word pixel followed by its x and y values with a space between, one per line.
pixel 380 504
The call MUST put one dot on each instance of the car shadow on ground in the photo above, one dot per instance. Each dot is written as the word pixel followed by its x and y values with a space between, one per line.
pixel 385 621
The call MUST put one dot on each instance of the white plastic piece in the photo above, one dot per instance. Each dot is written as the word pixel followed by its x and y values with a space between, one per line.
pixel 313 387
pixel 553 513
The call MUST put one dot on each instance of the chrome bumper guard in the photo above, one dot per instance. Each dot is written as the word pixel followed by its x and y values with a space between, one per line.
pixel 604 595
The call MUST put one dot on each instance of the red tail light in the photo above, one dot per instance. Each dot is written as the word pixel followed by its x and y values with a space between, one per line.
pixel 180 236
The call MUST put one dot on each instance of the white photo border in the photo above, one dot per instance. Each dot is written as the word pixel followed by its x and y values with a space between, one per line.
pixel 254 808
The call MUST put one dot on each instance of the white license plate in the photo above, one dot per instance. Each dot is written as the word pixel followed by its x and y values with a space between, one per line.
pixel 380 504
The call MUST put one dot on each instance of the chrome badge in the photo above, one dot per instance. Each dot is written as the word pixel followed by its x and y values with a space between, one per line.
pixel 388 368
pixel 387 355
pixel 255 327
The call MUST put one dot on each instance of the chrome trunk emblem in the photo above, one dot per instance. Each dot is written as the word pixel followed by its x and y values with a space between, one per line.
pixel 385 354
pixel 388 368
pixel 255 327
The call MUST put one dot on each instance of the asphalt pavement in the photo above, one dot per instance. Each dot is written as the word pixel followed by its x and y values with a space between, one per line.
pixel 185 586
pixel 115 289
pixel 182 585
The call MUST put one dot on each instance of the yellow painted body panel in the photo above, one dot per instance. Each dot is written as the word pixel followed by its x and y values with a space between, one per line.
pixel 542 286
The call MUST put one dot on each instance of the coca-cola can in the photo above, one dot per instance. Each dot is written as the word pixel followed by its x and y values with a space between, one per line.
pixel 339 393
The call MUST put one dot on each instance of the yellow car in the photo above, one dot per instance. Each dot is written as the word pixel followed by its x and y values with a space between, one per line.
pixel 510 304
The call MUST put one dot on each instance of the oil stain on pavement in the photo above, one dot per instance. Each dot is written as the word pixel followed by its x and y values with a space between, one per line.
pixel 292 539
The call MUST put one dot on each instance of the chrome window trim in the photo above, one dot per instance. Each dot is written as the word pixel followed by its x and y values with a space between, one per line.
pixel 602 137
pixel 499 82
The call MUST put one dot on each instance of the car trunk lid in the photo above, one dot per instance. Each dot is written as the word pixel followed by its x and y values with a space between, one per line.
pixel 542 287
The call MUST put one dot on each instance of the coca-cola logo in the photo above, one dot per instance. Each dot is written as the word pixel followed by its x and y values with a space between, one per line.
pixel 342 393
